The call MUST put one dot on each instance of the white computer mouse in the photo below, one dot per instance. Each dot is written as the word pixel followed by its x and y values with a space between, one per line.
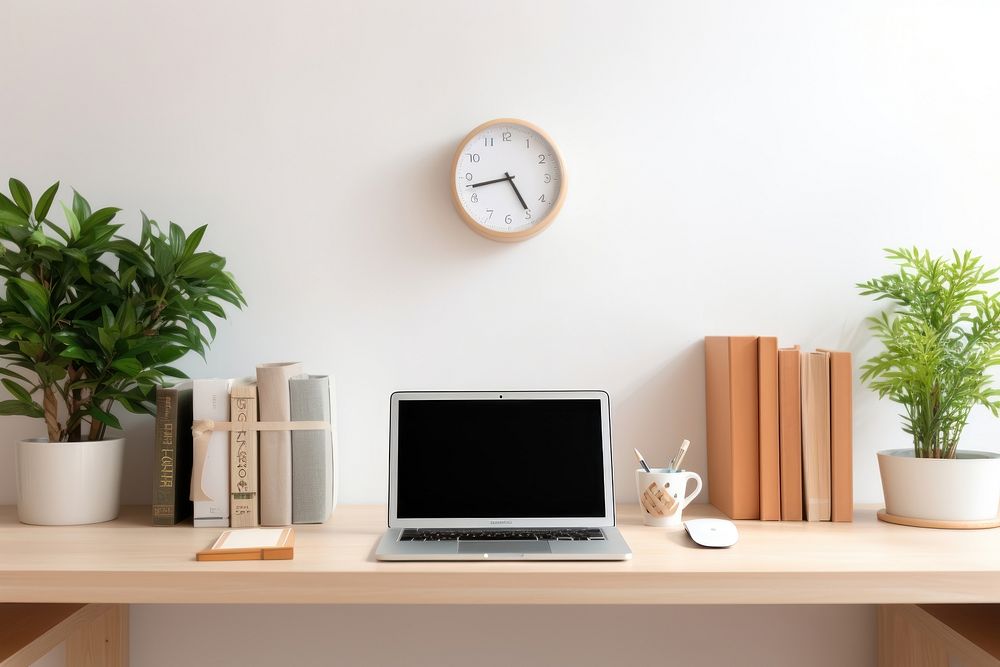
pixel 712 532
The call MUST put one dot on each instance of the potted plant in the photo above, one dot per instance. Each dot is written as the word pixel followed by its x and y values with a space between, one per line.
pixel 90 319
pixel 940 342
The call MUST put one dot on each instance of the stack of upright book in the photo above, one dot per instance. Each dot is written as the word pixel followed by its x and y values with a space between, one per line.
pixel 242 477
pixel 779 430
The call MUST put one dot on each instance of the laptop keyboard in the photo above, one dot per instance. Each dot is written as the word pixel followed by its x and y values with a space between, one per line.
pixel 478 534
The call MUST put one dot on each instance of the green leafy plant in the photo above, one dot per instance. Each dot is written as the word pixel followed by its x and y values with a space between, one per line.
pixel 89 318
pixel 941 341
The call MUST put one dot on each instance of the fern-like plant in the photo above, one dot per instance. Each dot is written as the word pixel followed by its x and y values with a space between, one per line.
pixel 941 341
pixel 89 318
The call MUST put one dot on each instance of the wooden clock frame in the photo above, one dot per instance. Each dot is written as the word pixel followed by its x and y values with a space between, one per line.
pixel 525 233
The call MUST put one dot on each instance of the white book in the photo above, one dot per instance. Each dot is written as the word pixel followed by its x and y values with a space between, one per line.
pixel 210 470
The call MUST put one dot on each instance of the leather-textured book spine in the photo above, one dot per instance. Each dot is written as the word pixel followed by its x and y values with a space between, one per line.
pixel 172 455
pixel 243 512
pixel 767 404
pixel 790 432
pixel 732 425
pixel 312 451
pixel 841 437
pixel 210 470
pixel 275 447
pixel 816 435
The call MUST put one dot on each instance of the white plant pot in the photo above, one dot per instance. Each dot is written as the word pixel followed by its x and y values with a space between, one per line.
pixel 68 483
pixel 963 489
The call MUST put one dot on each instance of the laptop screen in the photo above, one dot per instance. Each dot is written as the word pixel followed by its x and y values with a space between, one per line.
pixel 500 458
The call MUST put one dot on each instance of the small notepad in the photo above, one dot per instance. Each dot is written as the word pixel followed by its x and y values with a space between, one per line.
pixel 252 544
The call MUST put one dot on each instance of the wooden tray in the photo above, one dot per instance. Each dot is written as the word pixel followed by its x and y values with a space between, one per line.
pixel 937 523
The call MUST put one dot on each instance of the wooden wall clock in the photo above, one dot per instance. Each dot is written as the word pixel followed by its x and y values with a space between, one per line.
pixel 508 180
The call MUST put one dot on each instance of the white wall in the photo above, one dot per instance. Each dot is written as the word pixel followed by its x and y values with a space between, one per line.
pixel 734 167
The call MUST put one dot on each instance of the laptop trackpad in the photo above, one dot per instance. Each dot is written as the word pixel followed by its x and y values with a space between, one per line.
pixel 504 546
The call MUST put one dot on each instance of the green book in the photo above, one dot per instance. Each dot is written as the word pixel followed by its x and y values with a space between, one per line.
pixel 172 455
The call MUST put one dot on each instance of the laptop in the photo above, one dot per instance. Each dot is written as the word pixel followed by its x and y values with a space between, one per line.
pixel 520 475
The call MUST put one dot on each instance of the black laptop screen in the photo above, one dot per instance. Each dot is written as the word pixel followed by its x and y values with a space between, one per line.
pixel 500 458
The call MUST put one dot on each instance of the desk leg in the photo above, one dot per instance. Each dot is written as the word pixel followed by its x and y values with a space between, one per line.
pixel 902 641
pixel 912 636
pixel 101 642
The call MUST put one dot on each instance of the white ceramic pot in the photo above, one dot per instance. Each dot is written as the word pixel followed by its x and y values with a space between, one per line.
pixel 963 489
pixel 68 483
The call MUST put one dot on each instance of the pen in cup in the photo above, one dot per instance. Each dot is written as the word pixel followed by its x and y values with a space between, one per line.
pixel 675 463
pixel 642 461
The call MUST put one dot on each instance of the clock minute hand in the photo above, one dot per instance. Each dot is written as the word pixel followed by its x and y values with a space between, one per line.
pixel 495 180
pixel 516 191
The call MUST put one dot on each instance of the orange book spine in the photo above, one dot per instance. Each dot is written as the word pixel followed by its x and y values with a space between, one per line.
pixel 767 405
pixel 790 433
pixel 841 437
pixel 731 411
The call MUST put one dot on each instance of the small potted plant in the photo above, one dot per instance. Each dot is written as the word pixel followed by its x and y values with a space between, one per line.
pixel 940 342
pixel 90 319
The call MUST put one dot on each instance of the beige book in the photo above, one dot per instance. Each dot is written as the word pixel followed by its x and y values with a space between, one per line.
pixel 816 435
pixel 275 447
pixel 243 456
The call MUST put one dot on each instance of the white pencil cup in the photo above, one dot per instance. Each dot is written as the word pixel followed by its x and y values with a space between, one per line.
pixel 662 494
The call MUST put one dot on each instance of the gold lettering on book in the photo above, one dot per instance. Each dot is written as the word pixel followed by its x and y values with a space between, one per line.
pixel 242 485
pixel 243 441
pixel 167 442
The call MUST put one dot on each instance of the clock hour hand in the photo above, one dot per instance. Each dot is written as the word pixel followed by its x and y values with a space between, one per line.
pixel 516 191
pixel 495 180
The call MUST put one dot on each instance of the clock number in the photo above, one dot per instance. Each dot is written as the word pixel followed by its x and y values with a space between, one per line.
pixel 475 198
pixel 527 143
pixel 542 199
pixel 508 220
pixel 487 141
pixel 468 176
pixel 541 159
pixel 490 211
pixel 548 178
pixel 473 157
pixel 506 136
pixel 527 214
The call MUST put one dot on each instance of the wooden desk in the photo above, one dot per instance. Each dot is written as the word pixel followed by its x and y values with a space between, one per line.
pixel 129 561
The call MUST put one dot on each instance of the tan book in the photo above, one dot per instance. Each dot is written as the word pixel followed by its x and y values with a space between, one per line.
pixel 243 456
pixel 767 417
pixel 816 435
pixel 841 437
pixel 731 412
pixel 275 447
pixel 790 432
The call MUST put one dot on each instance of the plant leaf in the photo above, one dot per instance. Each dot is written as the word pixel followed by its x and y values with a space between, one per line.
pixel 45 202
pixel 21 195
pixel 72 221
pixel 38 298
pixel 80 206
pixel 129 366
pixel 13 407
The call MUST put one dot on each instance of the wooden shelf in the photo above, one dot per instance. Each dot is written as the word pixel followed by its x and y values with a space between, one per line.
pixel 866 561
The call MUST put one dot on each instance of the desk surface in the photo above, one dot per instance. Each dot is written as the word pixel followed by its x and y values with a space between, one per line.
pixel 866 561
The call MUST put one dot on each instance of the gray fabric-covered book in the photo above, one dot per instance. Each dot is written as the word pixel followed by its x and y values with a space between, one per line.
pixel 312 451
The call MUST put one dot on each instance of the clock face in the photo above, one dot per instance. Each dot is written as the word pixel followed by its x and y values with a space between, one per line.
pixel 508 180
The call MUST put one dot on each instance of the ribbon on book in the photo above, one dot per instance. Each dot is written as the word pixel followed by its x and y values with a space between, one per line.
pixel 201 432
